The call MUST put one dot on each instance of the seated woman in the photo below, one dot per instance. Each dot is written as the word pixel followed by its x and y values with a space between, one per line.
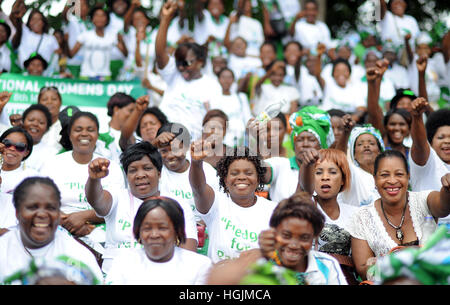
pixel 77 216
pixel 159 228
pixel 37 201
pixel 142 164
pixel 325 174
pixel 37 121
pixel 285 256
pixel 236 216
pixel 396 218
pixel 16 145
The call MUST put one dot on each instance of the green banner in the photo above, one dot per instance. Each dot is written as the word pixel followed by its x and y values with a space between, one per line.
pixel 87 95
pixel 73 91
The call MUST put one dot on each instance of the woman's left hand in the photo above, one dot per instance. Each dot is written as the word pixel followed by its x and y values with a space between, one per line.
pixel 445 180
pixel 76 224
pixel 267 240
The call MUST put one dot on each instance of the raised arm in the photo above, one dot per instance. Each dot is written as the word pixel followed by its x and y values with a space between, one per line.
pixel 167 13
pixel 299 16
pixel 421 64
pixel 375 113
pixel 383 8
pixel 121 45
pixel 420 149
pixel 439 202
pixel 321 48
pixel 128 17
pixel 130 125
pixel 203 193
pixel 306 173
pixel 72 52
pixel 342 143
pixel 97 197
pixel 226 41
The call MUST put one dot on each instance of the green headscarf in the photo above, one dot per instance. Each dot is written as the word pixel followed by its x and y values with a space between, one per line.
pixel 314 120
pixel 267 272
pixel 430 264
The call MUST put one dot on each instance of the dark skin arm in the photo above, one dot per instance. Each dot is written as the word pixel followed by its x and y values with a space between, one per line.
pixel 421 64
pixel 309 159
pixel 167 13
pixel 299 16
pixel 130 125
pixel 420 149
pixel 439 202
pixel 97 197
pixel 374 77
pixel 349 123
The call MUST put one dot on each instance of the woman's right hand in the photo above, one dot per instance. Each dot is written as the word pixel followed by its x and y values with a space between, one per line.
pixel 200 149
pixel 169 9
pixel 267 241
pixel 419 106
pixel 142 103
pixel 98 168
pixel 310 156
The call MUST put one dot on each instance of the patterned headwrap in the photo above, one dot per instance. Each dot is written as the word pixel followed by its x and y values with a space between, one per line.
pixel 359 130
pixel 314 120
pixel 430 264
pixel 62 266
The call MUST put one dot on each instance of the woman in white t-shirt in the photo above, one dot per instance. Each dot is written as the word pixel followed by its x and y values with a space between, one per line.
pixel 236 216
pixel 326 173
pixel 8 218
pixel 16 145
pixel 97 45
pixel 142 164
pixel 37 201
pixel 188 90
pixel 34 38
pixel 51 98
pixel 396 218
pixel 37 120
pixel 159 227
pixel 69 170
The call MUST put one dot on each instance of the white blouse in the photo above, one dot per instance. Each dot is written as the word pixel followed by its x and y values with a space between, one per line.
pixel 367 225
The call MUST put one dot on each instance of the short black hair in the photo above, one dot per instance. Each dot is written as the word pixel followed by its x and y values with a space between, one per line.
pixel 299 205
pixel 44 19
pixel 98 7
pixel 336 112
pixel 298 44
pixel 282 118
pixel 20 192
pixel 137 151
pixel 402 112
pixel 225 69
pixel 341 61
pixel 391 153
pixel 436 120
pixel 200 51
pixel 215 113
pixel 269 43
pixel 65 131
pixel 240 153
pixel 7 28
pixel 157 113
pixel 35 56
pixel 120 100
pixel 41 108
pixel 400 93
pixel 172 209
pixel 28 138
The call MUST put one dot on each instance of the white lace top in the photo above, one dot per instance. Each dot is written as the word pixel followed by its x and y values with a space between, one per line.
pixel 367 225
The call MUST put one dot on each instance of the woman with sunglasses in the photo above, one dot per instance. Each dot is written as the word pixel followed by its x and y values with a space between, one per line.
pixel 16 145
pixel 191 92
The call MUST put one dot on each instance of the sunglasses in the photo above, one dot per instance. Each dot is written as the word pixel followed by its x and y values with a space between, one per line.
pixel 184 62
pixel 20 147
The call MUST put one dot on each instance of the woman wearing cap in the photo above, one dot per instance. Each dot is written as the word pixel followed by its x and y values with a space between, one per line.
pixel 34 38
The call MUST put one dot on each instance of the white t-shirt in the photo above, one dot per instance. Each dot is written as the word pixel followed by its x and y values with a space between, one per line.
pixel 251 30
pixel 14 257
pixel 237 108
pixel 346 99
pixel 431 79
pixel 7 212
pixel 119 225
pixel 177 186
pixel 358 72
pixel 97 53
pixel 209 27
pixel 71 176
pixel 394 28
pixel 284 178
pixel 270 94
pixel 10 179
pixel 309 35
pixel 116 25
pixel 362 189
pixel 74 28
pixel 367 225
pixel 233 229
pixel 52 136
pixel 41 152
pixel 334 237
pixel 310 91
pixel 184 101
pixel 29 43
pixel 398 75
pixel 135 268
pixel 242 65
pixel 5 58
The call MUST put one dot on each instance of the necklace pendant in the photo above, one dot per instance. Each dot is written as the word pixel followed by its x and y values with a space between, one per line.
pixel 399 234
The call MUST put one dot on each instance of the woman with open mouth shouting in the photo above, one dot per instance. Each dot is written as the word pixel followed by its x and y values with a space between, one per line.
pixel 325 174
pixel 69 170
pixel 236 216
pixel 142 164
pixel 396 218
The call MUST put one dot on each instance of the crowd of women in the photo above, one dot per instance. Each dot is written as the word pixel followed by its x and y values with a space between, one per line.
pixel 199 182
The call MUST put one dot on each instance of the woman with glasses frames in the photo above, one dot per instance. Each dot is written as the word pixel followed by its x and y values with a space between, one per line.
pixel 189 92
pixel 16 145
